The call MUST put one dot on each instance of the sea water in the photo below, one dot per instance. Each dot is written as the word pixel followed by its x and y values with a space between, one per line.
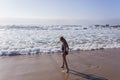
pixel 20 39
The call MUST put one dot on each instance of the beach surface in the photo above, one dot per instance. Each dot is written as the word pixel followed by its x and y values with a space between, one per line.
pixel 84 65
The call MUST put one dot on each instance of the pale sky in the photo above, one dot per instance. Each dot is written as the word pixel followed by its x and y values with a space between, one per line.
pixel 59 11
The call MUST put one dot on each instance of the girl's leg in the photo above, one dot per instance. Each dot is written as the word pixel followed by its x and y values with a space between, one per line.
pixel 65 61
pixel 62 61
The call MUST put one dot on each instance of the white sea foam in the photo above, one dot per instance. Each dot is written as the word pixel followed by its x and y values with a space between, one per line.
pixel 16 40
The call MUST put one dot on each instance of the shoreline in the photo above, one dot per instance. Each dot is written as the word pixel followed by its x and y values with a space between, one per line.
pixel 79 50
pixel 84 65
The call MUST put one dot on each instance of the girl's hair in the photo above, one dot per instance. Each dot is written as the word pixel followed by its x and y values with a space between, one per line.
pixel 64 41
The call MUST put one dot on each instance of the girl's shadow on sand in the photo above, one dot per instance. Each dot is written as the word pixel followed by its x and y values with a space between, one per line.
pixel 86 76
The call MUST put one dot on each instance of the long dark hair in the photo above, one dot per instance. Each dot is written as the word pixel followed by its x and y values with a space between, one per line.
pixel 64 41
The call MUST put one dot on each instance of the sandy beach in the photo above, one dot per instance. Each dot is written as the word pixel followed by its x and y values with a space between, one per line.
pixel 84 65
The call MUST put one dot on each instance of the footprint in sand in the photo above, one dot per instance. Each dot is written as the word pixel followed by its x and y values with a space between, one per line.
pixel 93 66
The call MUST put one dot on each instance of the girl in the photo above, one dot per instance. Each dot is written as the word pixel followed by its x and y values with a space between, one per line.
pixel 65 49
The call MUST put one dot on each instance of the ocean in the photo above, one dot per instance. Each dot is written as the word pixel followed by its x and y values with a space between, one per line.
pixel 29 39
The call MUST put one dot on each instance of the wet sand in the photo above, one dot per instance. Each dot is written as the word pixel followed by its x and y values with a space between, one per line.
pixel 84 65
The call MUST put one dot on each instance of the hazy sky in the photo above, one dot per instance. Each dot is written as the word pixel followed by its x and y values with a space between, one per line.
pixel 59 11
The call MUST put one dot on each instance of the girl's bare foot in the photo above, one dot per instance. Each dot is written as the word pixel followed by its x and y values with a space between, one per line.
pixel 67 71
pixel 62 66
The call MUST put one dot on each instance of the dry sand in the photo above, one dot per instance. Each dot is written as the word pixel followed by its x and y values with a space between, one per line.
pixel 84 65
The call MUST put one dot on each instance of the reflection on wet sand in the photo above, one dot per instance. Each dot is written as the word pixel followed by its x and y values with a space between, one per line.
pixel 65 75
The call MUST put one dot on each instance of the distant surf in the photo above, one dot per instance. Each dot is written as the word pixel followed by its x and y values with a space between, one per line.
pixel 20 39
